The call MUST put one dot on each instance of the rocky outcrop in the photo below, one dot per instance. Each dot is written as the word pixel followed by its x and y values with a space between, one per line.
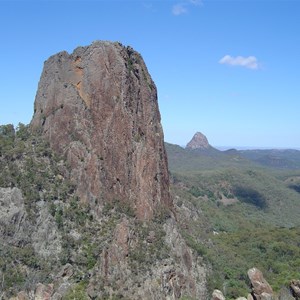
pixel 98 107
pixel 124 264
pixel 217 295
pixel 17 230
pixel 46 240
pixel 199 142
pixel 13 224
pixel 43 292
pixel 95 220
pixel 187 276
pixel 295 288
pixel 261 290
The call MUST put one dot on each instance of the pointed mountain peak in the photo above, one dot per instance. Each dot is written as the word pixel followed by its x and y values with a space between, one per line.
pixel 199 141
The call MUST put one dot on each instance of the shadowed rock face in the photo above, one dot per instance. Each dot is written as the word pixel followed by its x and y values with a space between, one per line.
pixel 98 107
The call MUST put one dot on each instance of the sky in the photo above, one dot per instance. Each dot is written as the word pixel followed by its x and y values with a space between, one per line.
pixel 229 69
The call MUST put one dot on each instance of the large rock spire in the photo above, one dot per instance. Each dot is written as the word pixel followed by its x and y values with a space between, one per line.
pixel 98 107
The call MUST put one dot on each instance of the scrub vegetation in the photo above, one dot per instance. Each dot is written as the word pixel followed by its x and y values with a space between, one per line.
pixel 247 216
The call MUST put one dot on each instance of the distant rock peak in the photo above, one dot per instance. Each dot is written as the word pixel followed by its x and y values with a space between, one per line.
pixel 199 141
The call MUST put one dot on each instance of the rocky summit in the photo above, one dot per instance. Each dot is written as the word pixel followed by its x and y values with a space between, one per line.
pixel 199 141
pixel 85 206
pixel 98 108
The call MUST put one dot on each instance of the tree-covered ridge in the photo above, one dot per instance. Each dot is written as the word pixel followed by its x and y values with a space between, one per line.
pixel 241 215
pixel 233 238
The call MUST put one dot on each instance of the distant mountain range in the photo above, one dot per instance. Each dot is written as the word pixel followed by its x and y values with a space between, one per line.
pixel 198 152
pixel 223 148
pixel 244 211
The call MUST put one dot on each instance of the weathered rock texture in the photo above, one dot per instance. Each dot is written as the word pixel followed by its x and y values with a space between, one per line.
pixel 98 107
pixel 217 295
pixel 199 141
pixel 16 229
pixel 13 224
pixel 261 290
pixel 176 275
pixel 295 288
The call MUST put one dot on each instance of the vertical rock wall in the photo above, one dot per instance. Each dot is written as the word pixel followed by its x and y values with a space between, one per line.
pixel 98 107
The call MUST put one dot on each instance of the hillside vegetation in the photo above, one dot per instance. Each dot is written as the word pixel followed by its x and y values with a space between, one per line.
pixel 56 231
pixel 51 240
pixel 232 212
pixel 247 215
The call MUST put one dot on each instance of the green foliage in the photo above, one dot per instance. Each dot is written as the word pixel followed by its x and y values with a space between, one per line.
pixel 7 138
pixel 273 250
pixel 258 191
pixel 27 162
pixel 248 216
pixel 77 292
pixel 59 217
pixel 249 232
pixel 12 261
pixel 196 191
pixel 118 207
pixel 23 132
pixel 148 250
pixel 77 212
pixel 161 215
pixel 130 64
pixel 197 246
pixel 7 131
pixel 91 254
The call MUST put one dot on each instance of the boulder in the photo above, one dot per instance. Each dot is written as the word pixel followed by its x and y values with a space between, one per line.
pixel 265 296
pixel 261 290
pixel 217 295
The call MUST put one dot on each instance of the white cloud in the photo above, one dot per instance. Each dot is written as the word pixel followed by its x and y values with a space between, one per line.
pixel 179 9
pixel 249 62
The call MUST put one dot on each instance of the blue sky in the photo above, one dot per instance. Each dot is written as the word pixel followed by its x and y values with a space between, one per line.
pixel 230 69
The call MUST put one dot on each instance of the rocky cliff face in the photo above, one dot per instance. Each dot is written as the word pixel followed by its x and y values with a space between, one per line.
pixel 85 207
pixel 16 228
pixel 98 107
pixel 53 247
pixel 199 141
